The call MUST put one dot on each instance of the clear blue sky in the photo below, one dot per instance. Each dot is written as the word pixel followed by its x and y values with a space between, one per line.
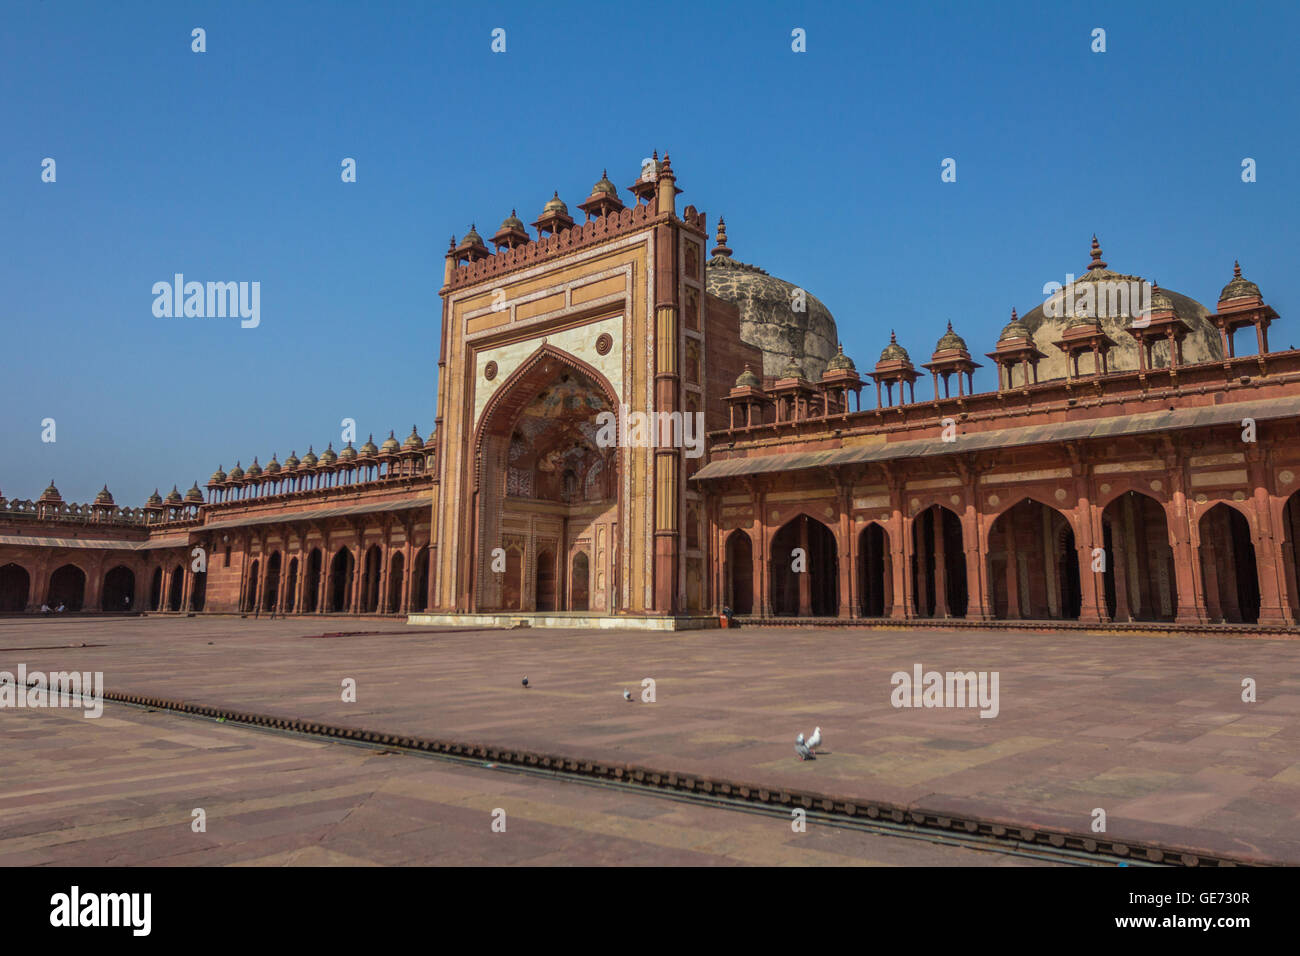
pixel 225 166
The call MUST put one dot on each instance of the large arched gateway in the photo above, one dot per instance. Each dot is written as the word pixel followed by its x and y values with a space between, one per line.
pixel 547 488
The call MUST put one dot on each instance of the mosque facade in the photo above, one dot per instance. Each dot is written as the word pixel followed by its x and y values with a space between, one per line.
pixel 1130 466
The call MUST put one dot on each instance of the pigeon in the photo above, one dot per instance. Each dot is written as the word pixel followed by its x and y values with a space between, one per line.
pixel 815 740
pixel 802 750
pixel 626 694
pixel 524 682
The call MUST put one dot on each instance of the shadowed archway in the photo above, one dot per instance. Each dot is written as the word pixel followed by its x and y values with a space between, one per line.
pixel 804 570
pixel 1033 564
pixel 15 585
pixel 1139 578
pixel 740 573
pixel 875 573
pixel 1227 555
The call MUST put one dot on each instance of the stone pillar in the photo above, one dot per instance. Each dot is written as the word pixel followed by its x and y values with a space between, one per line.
pixel 900 550
pixel 1274 588
pixel 920 580
pixel 1209 558
pixel 805 579
pixel 978 603
pixel 848 567
pixel 1119 540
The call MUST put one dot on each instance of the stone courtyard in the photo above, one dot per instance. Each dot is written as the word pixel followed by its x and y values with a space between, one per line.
pixel 1151 729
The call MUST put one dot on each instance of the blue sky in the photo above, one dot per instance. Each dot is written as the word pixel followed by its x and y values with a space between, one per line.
pixel 225 166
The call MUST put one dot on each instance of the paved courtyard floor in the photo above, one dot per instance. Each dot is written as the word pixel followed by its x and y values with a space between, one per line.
pixel 1152 730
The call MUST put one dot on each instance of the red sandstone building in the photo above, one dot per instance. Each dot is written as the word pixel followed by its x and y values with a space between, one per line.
pixel 1129 467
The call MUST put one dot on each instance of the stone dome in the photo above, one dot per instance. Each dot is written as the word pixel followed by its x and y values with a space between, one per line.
pixel 840 362
pixel 950 340
pixel 218 476
pixel 893 352
pixel 1239 287
pixel 369 449
pixel 747 379
pixel 1202 343
pixel 194 494
pixel 391 445
pixel 105 497
pixel 413 441
pixel 767 319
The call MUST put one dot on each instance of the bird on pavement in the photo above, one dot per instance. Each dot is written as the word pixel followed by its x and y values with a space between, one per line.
pixel 802 750
pixel 815 740
pixel 627 695
pixel 524 682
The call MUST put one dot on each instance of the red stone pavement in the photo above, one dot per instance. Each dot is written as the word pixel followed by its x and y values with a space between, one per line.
pixel 1150 729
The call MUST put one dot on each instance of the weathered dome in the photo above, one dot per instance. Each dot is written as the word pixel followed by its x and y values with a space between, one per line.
pixel 841 362
pixel 105 497
pixel 768 319
pixel 893 352
pixel 747 379
pixel 291 462
pixel 51 493
pixel 273 466
pixel 511 221
pixel 155 499
pixel 174 496
pixel 555 204
pixel 1239 287
pixel 391 445
pixel 348 453
pixel 950 340
pixel 218 476
pixel 194 495
pixel 309 460
pixel 792 369
pixel 413 441
pixel 329 455
pixel 254 470
pixel 1015 329
pixel 1113 300
pixel 605 186
pixel 235 473
pixel 368 450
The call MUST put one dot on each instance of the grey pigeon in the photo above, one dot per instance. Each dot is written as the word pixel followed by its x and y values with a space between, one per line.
pixel 626 694
pixel 524 682
pixel 802 750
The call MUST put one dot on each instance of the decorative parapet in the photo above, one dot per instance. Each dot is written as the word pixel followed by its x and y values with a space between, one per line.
pixel 582 236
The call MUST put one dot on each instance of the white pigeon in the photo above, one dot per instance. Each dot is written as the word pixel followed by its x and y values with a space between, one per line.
pixel 815 740
pixel 626 694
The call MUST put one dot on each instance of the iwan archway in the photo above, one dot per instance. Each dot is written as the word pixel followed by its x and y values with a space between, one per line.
pixel 546 491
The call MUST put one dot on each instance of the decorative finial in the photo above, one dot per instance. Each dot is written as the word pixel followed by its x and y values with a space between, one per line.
pixel 950 325
pixel 892 340
pixel 721 249
pixel 1236 269
pixel 1096 255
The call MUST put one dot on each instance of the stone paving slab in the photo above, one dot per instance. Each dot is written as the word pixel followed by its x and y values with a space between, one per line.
pixel 275 800
pixel 1151 729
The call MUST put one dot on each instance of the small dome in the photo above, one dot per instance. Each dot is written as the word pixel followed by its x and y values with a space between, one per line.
pixel 430 442
pixel 792 369
pixel 254 470
pixel 472 239
pixel 51 493
pixel 605 186
pixel 950 340
pixel 511 221
pixel 1082 319
pixel 368 450
pixel 555 205
pixel 329 455
pixel 391 445
pixel 413 441
pixel 273 466
pixel 840 362
pixel 174 496
pixel 291 462
pixel 105 497
pixel 218 476
pixel 747 379
pixel 1015 329
pixel 893 352
pixel 1239 287
pixel 309 460
pixel 155 499
pixel 1160 300
pixel 194 494
pixel 235 473
pixel 348 453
